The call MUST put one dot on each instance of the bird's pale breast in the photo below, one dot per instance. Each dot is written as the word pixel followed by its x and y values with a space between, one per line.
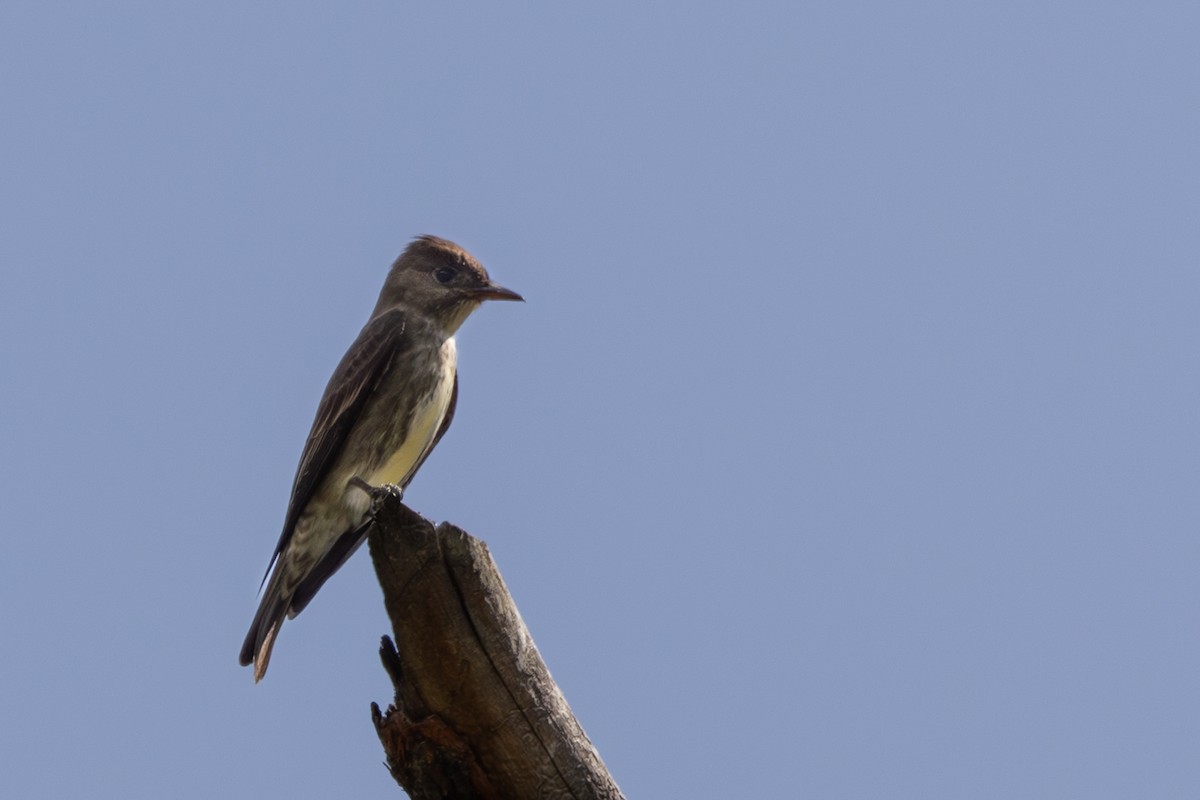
pixel 426 419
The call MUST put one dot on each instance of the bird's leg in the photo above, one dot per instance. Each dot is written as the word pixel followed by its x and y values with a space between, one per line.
pixel 376 493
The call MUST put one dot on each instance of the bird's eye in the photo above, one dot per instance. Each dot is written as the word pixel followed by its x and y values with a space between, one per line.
pixel 445 274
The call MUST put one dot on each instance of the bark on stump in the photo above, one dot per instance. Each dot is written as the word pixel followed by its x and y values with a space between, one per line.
pixel 476 714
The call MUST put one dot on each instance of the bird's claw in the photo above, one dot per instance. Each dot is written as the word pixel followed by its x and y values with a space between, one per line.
pixel 377 493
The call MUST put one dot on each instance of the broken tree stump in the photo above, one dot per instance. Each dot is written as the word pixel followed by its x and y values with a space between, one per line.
pixel 476 713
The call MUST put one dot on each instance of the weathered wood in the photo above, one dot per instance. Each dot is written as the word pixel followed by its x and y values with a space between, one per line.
pixel 476 713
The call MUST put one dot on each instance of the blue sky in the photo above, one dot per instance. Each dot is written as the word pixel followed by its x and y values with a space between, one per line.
pixel 845 447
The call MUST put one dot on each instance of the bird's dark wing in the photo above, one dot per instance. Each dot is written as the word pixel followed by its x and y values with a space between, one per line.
pixel 350 540
pixel 377 347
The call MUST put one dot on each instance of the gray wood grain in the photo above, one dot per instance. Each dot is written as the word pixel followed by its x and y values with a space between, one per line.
pixel 476 713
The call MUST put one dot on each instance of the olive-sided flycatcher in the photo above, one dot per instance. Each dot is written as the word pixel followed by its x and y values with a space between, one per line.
pixel 388 403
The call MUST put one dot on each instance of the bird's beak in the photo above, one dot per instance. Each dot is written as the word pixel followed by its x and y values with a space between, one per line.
pixel 495 292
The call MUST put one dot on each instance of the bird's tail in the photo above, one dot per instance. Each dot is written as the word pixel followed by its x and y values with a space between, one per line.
pixel 289 590
pixel 273 609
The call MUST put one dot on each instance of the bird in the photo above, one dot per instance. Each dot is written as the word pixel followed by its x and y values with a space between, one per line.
pixel 389 402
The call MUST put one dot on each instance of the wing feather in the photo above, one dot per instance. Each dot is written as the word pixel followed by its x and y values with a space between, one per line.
pixel 380 343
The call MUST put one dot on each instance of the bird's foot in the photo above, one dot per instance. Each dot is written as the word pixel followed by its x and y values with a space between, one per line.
pixel 377 493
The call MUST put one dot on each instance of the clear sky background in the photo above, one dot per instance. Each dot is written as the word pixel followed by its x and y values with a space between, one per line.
pixel 846 446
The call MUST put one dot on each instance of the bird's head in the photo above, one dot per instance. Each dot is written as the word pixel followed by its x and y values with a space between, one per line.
pixel 440 280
